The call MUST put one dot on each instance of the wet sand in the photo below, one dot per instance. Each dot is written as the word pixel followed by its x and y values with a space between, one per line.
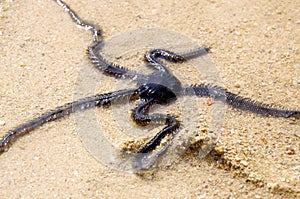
pixel 255 47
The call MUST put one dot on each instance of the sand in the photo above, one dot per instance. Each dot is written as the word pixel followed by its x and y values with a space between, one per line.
pixel 255 47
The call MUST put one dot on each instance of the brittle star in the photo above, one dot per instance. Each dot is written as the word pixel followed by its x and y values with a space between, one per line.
pixel 160 87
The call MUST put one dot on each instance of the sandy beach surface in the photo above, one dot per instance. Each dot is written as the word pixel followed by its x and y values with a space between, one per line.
pixel 255 46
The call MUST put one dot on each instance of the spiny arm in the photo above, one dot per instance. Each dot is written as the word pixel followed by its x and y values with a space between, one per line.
pixel 239 102
pixel 61 111
pixel 153 57
pixel 96 31
pixel 109 68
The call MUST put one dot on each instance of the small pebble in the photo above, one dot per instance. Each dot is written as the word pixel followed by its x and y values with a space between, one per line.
pixel 22 65
pixel 2 122
pixel 244 163
pixel 237 85
pixel 210 101
pixel 237 33
pixel 290 151
pixel 76 173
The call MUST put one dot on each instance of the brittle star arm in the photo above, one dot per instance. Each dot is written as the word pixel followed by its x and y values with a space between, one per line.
pixel 239 102
pixel 62 111
pixel 93 51
pixel 145 157
pixel 96 31
pixel 153 56
pixel 109 68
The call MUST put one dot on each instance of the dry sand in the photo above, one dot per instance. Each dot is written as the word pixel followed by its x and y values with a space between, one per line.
pixel 255 47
